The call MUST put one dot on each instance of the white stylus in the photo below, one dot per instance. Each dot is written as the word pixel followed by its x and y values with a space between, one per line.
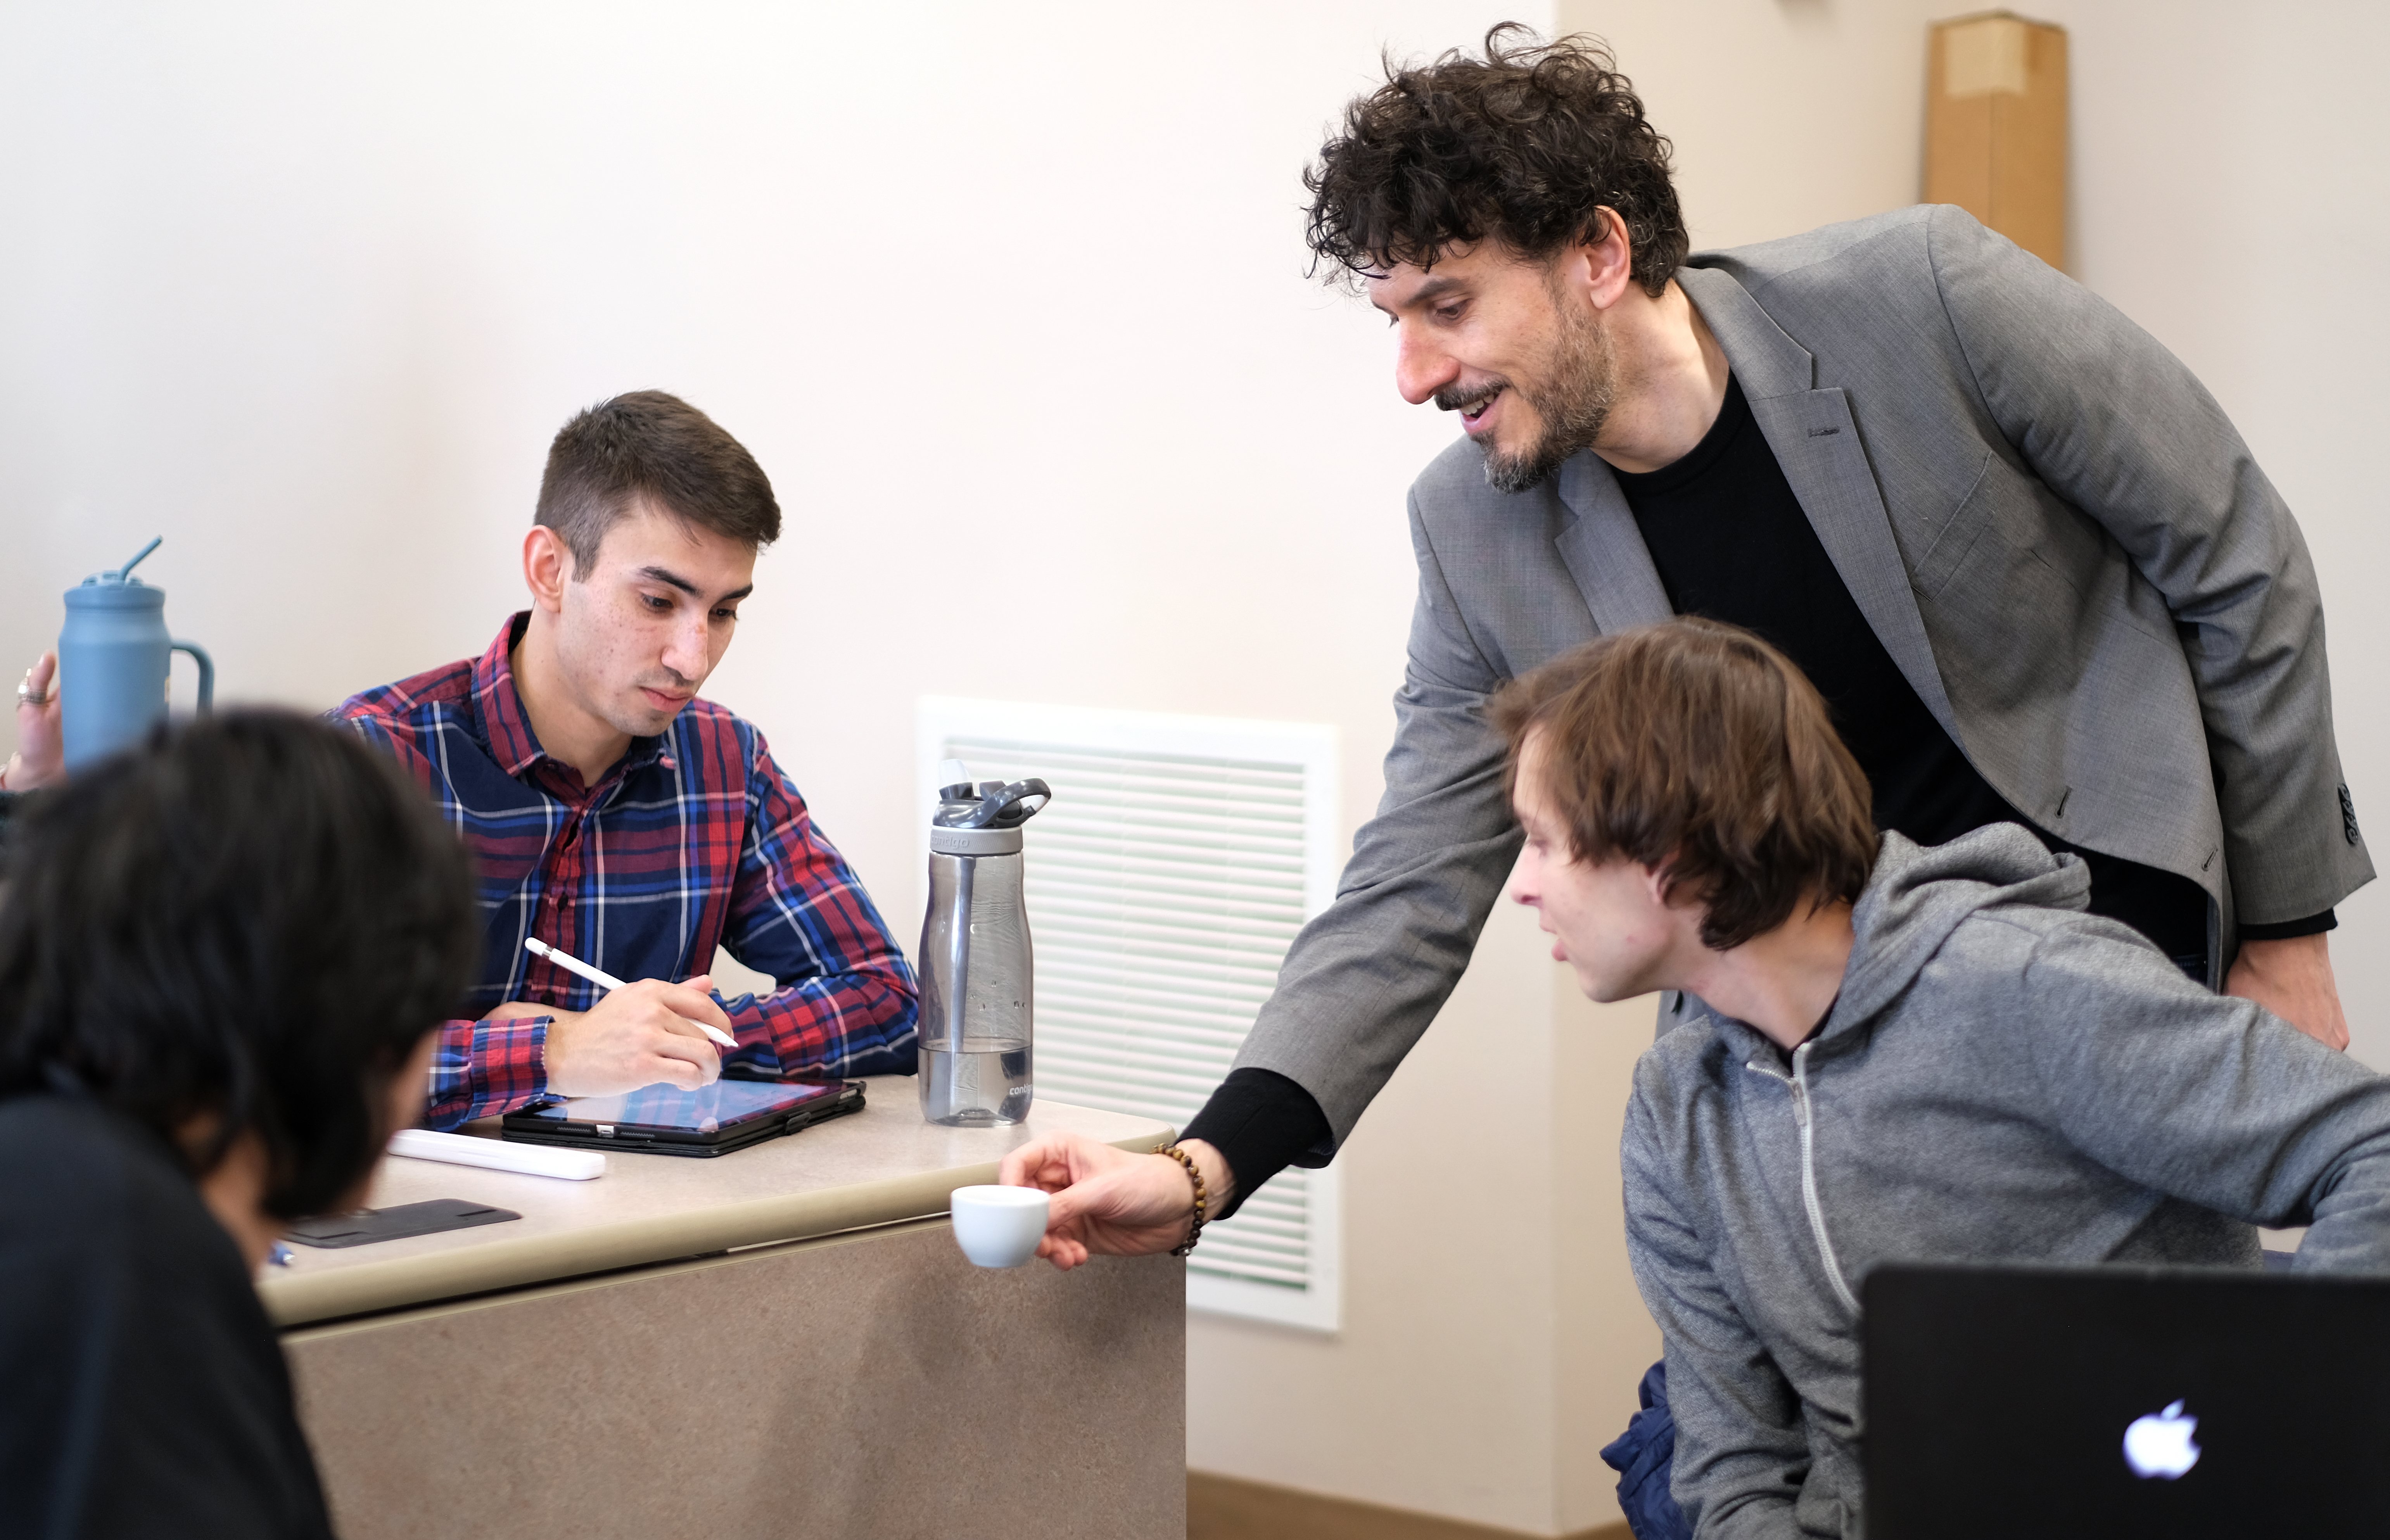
pixel 571 1165
pixel 610 983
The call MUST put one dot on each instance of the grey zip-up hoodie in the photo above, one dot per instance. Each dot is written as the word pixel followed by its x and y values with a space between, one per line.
pixel 2002 1078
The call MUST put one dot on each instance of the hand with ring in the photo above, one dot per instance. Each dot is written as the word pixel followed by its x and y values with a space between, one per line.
pixel 40 759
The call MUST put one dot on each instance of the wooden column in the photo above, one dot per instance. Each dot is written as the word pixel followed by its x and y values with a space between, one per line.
pixel 1995 126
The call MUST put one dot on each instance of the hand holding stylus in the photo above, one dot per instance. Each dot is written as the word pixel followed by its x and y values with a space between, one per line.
pixel 610 983
pixel 642 1033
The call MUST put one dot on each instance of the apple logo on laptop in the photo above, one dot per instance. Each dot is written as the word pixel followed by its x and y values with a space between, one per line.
pixel 2160 1445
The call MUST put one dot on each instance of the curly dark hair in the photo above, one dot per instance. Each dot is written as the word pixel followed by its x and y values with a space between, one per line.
pixel 255 917
pixel 1521 146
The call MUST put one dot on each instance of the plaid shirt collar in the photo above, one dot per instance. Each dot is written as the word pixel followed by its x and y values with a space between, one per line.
pixel 505 731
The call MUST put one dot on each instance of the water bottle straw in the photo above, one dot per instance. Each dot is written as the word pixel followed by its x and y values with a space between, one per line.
pixel 145 550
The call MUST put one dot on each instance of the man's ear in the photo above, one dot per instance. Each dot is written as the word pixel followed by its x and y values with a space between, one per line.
pixel 1655 884
pixel 547 567
pixel 1600 269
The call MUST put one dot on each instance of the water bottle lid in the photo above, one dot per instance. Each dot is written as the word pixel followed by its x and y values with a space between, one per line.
pixel 989 805
pixel 123 576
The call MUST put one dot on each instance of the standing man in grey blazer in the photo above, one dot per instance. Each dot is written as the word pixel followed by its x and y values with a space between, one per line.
pixel 2017 546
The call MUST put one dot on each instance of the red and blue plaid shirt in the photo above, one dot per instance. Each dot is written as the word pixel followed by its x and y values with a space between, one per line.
pixel 695 839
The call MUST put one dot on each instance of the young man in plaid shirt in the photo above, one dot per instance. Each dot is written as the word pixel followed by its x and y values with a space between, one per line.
pixel 618 818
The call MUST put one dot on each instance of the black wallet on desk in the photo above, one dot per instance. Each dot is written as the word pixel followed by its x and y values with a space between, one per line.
pixel 397 1223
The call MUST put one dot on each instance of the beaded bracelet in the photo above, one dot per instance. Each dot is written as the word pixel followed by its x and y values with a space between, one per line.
pixel 1202 1196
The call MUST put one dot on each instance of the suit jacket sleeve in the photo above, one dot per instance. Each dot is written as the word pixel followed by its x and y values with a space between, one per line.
pixel 2116 425
pixel 1363 980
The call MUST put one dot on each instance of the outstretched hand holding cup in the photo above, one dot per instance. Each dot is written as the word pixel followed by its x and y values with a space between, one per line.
pixel 1109 1202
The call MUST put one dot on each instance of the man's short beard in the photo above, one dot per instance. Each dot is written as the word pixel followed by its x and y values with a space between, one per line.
pixel 1580 384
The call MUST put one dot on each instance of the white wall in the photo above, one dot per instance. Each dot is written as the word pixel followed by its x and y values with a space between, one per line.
pixel 1009 304
pixel 1010 308
pixel 1785 114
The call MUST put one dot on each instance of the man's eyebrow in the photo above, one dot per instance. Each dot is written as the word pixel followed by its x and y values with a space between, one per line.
pixel 667 576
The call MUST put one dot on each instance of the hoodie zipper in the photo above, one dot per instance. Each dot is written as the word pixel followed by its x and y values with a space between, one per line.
pixel 1803 1115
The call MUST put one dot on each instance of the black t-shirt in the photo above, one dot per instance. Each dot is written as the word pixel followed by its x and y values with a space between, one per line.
pixel 142 1389
pixel 1731 543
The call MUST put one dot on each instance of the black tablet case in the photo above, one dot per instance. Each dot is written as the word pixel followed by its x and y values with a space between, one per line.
pixel 645 1139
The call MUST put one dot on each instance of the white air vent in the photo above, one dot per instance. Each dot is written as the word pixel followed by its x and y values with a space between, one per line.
pixel 1165 881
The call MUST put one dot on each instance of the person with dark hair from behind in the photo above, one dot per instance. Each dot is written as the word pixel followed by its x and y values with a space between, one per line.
pixel 223 955
pixel 621 819
pixel 1896 1054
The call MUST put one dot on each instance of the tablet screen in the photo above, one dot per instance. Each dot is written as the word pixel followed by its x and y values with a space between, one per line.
pixel 720 1105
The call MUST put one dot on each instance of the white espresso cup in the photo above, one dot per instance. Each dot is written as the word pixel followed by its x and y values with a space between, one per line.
pixel 1000 1226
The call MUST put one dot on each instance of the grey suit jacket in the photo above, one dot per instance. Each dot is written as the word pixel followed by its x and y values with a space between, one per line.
pixel 2048 522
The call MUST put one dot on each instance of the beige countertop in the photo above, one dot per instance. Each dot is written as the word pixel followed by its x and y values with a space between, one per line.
pixel 875 1167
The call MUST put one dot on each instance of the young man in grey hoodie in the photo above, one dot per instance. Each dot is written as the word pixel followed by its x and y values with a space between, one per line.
pixel 1907 1054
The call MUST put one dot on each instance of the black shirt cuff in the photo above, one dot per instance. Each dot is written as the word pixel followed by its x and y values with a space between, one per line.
pixel 1262 1123
pixel 2314 925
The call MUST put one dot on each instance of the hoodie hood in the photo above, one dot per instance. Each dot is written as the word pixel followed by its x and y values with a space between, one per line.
pixel 1918 894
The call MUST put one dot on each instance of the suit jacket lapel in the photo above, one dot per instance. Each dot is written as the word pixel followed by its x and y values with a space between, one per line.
pixel 1817 442
pixel 1597 537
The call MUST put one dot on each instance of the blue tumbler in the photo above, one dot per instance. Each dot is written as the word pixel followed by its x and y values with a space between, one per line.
pixel 113 658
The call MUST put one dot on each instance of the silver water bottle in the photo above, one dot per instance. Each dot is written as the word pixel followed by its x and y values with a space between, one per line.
pixel 978 994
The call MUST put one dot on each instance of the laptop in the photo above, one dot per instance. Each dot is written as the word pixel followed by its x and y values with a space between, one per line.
pixel 2113 1402
pixel 727 1116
